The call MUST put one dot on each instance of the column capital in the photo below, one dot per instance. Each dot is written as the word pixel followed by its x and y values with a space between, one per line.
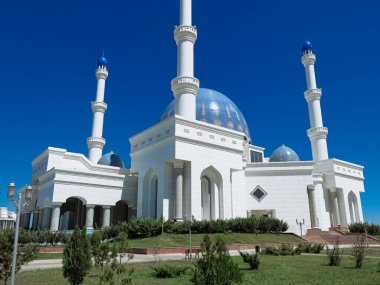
pixel 106 207
pixel 55 205
pixel 308 59
pixel 90 206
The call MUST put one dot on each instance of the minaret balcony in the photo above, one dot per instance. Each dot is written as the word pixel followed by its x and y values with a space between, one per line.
pixel 185 33
pixel 318 132
pixel 95 142
pixel 308 59
pixel 313 94
pixel 98 106
pixel 185 84
pixel 101 73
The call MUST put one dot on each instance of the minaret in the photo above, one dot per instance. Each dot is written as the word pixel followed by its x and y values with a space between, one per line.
pixel 185 86
pixel 96 142
pixel 317 132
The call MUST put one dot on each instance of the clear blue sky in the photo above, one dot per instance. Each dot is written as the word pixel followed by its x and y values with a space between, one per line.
pixel 249 50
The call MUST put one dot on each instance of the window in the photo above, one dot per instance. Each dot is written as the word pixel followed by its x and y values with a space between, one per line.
pixel 256 156
pixel 258 193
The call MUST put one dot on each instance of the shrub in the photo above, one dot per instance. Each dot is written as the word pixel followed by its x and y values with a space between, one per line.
pixel 252 259
pixel 306 247
pixel 372 229
pixel 216 266
pixel 334 256
pixel 25 253
pixel 169 271
pixel 77 257
pixel 358 251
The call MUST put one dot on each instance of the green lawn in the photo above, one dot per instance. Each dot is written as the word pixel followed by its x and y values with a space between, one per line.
pixel 49 255
pixel 281 270
pixel 377 236
pixel 173 240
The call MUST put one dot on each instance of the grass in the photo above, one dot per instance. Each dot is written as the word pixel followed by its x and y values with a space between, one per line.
pixel 377 236
pixel 274 270
pixel 173 240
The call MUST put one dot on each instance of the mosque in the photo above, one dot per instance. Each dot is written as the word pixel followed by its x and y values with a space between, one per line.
pixel 198 161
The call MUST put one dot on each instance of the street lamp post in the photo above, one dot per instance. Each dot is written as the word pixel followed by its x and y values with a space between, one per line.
pixel 300 223
pixel 18 203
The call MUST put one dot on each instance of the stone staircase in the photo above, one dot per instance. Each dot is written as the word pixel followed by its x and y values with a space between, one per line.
pixel 333 235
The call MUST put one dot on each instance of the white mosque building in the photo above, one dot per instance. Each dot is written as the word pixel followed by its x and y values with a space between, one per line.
pixel 197 161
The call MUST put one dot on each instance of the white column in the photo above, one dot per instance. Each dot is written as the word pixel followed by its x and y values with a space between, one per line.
pixel 96 142
pixel 317 132
pixel 54 224
pixel 46 218
pixel 185 86
pixel 106 216
pixel 335 207
pixel 178 175
pixel 342 208
pixel 312 206
pixel 90 216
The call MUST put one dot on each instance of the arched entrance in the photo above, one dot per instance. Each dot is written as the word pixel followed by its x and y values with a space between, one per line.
pixel 119 212
pixel 353 205
pixel 211 194
pixel 150 190
pixel 73 213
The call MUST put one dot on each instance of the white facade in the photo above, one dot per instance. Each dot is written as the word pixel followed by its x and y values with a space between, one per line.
pixel 191 165
pixel 7 218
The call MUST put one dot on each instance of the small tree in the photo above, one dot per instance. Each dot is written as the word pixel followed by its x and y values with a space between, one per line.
pixel 334 256
pixel 358 251
pixel 77 257
pixel 118 270
pixel 25 254
pixel 216 266
pixel 252 259
pixel 100 250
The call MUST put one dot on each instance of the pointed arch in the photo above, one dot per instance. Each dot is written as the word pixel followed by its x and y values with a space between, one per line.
pixel 150 188
pixel 211 194
pixel 353 207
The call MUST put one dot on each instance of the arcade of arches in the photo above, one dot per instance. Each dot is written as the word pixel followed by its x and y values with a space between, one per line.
pixel 75 212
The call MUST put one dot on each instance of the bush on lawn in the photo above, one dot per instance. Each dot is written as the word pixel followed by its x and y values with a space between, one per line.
pixel 215 267
pixel 334 256
pixel 307 247
pixel 358 251
pixel 252 259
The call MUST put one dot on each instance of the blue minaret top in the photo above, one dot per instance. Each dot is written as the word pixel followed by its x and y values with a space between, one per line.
pixel 102 61
pixel 307 47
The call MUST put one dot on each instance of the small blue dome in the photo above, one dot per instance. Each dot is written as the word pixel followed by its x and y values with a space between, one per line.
pixel 284 153
pixel 102 61
pixel 307 46
pixel 215 108
pixel 111 159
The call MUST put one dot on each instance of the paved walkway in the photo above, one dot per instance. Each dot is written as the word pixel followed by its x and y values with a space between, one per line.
pixel 137 258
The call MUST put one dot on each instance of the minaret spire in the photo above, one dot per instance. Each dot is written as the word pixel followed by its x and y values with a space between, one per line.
pixel 317 132
pixel 96 142
pixel 185 86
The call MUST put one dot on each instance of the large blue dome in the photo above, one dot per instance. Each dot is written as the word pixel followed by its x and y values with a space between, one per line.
pixel 215 108
pixel 284 153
